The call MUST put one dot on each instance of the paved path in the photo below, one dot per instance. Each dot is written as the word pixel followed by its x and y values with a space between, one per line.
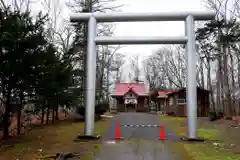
pixel 140 143
pixel 143 133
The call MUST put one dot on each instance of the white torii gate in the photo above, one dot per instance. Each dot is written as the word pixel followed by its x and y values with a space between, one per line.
pixel 188 39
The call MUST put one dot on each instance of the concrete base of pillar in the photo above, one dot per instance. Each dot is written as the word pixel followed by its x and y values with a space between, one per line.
pixel 192 139
pixel 83 137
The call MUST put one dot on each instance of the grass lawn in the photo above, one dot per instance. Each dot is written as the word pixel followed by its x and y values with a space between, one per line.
pixel 217 146
pixel 44 141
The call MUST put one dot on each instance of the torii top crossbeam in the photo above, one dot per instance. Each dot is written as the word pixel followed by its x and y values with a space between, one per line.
pixel 137 17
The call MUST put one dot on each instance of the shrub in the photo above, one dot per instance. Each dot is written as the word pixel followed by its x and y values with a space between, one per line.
pixel 81 111
pixel 99 109
pixel 215 115
pixel 171 114
pixel 212 116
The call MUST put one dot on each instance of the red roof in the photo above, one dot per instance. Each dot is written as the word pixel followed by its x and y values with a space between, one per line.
pixel 163 94
pixel 138 88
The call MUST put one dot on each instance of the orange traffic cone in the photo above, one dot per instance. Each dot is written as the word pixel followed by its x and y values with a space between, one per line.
pixel 118 132
pixel 162 134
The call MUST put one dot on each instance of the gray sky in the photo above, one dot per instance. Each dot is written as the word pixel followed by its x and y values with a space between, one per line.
pixel 153 28
pixel 143 28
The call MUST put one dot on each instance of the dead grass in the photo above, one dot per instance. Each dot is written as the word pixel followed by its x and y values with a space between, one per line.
pixel 223 142
pixel 48 140
pixel 27 121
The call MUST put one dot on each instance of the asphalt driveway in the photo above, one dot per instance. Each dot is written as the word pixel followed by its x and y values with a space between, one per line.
pixel 140 132
pixel 141 126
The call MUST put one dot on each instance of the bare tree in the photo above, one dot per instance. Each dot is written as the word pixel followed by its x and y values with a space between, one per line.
pixel 80 41
pixel 205 53
pixel 153 70
pixel 134 64
pixel 166 68
pixel 18 5
pixel 227 11
pixel 175 66
pixel 218 55
pixel 117 61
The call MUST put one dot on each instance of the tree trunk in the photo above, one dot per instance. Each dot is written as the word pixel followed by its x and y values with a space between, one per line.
pixel 48 112
pixel 219 105
pixel 202 75
pixel 226 90
pixel 238 61
pixel 53 114
pixel 6 116
pixel 42 116
pixel 209 81
pixel 218 97
pixel 56 110
pixel 66 111
pixel 108 72
pixel 19 113
pixel 233 83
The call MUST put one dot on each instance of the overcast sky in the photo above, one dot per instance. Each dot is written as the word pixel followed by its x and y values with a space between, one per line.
pixel 143 28
pixel 150 28
pixel 154 28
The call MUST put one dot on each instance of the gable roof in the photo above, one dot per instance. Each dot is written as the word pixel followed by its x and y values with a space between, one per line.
pixel 184 89
pixel 164 94
pixel 130 91
pixel 138 88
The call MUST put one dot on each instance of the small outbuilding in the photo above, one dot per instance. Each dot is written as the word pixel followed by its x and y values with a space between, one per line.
pixel 174 102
